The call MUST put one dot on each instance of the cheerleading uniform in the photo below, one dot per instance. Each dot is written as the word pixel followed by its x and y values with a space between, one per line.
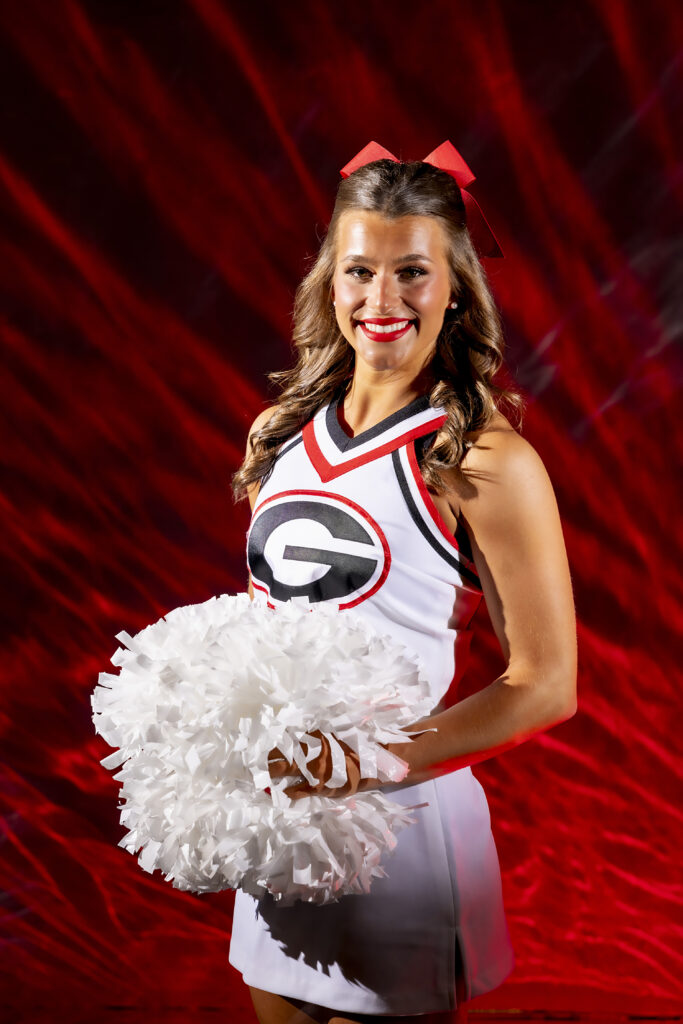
pixel 350 520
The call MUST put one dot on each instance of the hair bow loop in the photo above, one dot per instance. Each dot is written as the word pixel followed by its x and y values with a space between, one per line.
pixel 373 151
pixel 447 158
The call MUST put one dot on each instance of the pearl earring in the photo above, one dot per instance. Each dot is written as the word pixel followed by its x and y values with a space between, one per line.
pixel 333 302
pixel 452 305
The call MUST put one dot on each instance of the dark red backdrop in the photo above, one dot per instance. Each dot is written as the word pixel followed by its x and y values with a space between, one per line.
pixel 165 168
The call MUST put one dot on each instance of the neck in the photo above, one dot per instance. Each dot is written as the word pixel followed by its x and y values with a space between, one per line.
pixel 367 400
pixel 366 396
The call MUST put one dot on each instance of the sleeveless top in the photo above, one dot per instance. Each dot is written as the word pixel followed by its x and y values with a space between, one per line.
pixel 350 520
pixel 361 529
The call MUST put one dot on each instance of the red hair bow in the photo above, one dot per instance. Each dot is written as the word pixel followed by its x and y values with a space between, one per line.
pixel 446 158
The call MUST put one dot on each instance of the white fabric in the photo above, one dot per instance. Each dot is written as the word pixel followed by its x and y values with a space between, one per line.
pixel 363 533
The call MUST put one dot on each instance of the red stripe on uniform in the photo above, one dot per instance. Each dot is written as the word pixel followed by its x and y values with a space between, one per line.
pixel 433 510
pixel 326 471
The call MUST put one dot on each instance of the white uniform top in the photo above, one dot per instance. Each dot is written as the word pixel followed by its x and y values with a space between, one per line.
pixel 350 520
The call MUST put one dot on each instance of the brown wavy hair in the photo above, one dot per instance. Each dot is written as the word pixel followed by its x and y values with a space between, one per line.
pixel 469 348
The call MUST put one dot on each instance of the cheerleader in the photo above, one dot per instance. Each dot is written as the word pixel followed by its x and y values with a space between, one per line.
pixel 387 478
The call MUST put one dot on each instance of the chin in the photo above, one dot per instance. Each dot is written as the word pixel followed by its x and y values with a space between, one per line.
pixel 383 361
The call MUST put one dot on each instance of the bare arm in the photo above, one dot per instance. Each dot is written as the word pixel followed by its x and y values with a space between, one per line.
pixel 253 489
pixel 510 510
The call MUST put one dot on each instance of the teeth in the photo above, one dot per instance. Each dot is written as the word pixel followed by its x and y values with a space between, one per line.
pixel 377 329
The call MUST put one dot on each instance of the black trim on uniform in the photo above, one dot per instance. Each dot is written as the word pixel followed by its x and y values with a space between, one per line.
pixel 344 442
pixel 292 444
pixel 447 555
pixel 422 444
pixel 462 537
pixel 264 479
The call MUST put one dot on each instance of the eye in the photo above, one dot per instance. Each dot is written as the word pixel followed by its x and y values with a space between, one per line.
pixel 412 272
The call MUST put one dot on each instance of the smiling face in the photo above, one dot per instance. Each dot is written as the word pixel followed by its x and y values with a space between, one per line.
pixel 389 272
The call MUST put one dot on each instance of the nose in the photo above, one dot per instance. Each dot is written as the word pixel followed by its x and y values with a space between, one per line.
pixel 384 292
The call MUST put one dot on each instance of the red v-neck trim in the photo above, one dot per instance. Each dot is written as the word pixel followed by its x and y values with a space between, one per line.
pixel 327 471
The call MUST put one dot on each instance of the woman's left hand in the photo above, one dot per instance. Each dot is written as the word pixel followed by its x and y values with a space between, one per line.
pixel 321 768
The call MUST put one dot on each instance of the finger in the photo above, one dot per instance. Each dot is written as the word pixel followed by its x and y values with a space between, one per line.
pixel 338 775
pixel 278 765
pixel 350 787
pixel 352 784
pixel 319 765
pixel 299 790
pixel 321 768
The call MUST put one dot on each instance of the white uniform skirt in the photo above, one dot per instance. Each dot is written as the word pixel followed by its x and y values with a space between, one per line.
pixel 393 950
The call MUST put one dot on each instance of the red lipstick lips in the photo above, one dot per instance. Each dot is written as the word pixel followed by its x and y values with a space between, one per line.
pixel 383 334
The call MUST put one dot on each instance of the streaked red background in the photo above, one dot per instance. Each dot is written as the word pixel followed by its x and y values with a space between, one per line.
pixel 165 169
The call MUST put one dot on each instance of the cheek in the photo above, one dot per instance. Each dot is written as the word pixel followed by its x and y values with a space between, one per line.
pixel 346 292
pixel 346 300
pixel 434 298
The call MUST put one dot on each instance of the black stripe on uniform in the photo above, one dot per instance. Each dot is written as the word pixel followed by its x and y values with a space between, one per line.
pixel 293 444
pixel 462 537
pixel 345 443
pixel 281 452
pixel 447 555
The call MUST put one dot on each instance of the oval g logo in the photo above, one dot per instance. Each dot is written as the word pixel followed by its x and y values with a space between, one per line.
pixel 318 545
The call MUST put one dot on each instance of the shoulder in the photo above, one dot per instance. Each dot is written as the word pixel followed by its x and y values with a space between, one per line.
pixel 499 450
pixel 499 466
pixel 262 419
pixel 499 428
pixel 505 494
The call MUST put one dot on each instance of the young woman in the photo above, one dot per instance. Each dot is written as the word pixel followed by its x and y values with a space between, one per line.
pixel 387 479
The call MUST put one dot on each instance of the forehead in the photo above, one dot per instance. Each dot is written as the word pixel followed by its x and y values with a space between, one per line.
pixel 370 233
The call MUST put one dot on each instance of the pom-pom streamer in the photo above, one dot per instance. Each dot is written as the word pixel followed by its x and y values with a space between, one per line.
pixel 202 697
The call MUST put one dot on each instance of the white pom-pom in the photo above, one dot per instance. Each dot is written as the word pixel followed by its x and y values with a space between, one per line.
pixel 202 697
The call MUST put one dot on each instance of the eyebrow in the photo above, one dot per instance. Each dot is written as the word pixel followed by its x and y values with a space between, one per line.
pixel 402 259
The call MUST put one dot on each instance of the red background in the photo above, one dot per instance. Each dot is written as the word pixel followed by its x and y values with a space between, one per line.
pixel 165 169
